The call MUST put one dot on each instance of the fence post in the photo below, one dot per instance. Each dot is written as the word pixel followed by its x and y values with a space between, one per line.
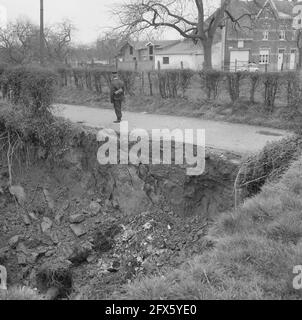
pixel 135 65
pixel 143 83
pixel 158 65
pixel 150 83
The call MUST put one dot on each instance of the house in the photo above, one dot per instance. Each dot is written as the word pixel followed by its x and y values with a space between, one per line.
pixel 140 55
pixel 188 55
pixel 268 39
pixel 169 54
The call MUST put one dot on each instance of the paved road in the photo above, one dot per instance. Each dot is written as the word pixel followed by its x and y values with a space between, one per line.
pixel 239 138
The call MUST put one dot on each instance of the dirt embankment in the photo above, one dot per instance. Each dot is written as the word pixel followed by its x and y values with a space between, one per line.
pixel 74 228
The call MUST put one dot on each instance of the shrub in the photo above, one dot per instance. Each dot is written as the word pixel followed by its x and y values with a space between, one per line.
pixel 233 81
pixel 210 81
pixel 128 77
pixel 272 162
pixel 291 82
pixel 254 78
pixel 32 87
pixel 271 83
pixel 186 76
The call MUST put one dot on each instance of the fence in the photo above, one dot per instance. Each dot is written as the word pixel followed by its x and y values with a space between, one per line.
pixel 136 65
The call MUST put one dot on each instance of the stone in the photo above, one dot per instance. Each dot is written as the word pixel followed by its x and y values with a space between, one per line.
pixel 46 224
pixel 21 258
pixel 80 253
pixel 95 208
pixel 26 220
pixel 91 259
pixel 3 255
pixel 19 193
pixel 115 205
pixel 14 241
pixel 58 217
pixel 32 216
pixel 78 230
pixel 147 226
pixel 65 206
pixel 54 237
pixel 49 253
pixel 49 200
pixel 129 191
pixel 102 243
pixel 76 218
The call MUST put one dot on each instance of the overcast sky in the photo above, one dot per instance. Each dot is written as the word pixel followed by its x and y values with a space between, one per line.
pixel 90 17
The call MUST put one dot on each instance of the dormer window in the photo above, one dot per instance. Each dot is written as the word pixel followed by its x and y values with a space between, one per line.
pixel 282 35
pixel 265 35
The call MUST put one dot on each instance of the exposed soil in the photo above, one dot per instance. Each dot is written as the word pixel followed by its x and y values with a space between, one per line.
pixel 80 230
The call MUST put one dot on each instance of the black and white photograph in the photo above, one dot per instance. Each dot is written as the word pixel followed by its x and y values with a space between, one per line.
pixel 150 153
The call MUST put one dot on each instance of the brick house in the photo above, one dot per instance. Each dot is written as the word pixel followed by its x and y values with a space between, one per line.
pixel 268 40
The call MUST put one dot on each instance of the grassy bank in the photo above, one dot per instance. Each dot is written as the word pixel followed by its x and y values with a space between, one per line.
pixel 251 252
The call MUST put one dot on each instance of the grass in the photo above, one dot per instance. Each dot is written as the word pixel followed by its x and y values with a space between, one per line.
pixel 255 250
pixel 20 293
pixel 194 105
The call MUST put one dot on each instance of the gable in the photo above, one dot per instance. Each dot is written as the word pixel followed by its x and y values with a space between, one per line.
pixel 276 9
pixel 268 12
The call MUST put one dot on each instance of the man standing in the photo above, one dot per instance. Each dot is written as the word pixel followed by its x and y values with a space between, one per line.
pixel 117 95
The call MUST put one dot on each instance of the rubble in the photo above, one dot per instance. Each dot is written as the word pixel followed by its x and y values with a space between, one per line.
pixel 46 224
pixel 78 230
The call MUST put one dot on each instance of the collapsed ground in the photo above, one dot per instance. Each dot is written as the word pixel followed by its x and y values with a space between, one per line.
pixel 75 229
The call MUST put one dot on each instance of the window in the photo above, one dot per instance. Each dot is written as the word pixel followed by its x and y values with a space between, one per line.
pixel 151 50
pixel 265 35
pixel 240 44
pixel 166 60
pixel 282 35
pixel 151 58
pixel 131 51
pixel 264 56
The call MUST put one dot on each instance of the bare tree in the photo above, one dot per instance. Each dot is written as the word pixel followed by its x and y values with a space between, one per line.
pixel 188 17
pixel 58 40
pixel 19 42
pixel 108 46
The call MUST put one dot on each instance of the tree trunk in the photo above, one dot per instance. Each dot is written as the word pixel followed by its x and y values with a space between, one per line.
pixel 207 48
pixel 300 59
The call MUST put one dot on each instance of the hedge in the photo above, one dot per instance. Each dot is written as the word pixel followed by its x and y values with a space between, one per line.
pixel 175 83
pixel 33 87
